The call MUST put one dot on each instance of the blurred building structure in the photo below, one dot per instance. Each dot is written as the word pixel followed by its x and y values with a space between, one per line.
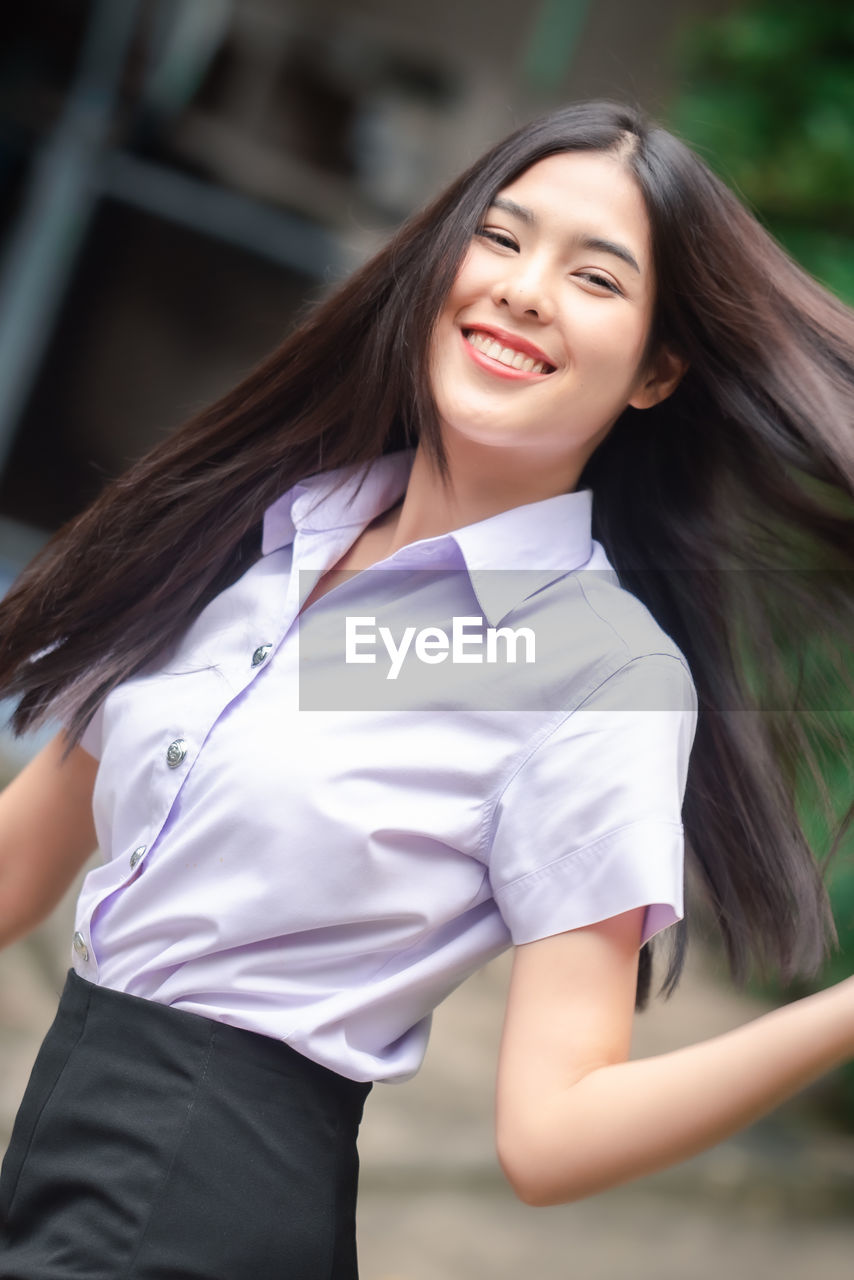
pixel 177 177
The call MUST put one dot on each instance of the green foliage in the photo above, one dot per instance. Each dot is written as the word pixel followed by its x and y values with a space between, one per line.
pixel 769 102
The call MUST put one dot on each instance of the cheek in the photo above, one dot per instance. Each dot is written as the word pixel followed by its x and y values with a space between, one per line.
pixel 473 281
pixel 616 342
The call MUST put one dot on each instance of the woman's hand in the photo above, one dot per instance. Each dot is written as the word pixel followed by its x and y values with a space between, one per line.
pixel 574 1117
pixel 46 834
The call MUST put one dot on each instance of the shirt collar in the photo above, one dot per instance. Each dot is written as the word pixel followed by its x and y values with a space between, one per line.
pixel 352 495
pixel 546 539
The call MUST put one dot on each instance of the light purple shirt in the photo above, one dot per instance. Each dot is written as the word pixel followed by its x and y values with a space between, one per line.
pixel 309 849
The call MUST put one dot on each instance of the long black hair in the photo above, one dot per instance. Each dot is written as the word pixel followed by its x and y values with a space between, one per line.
pixel 727 509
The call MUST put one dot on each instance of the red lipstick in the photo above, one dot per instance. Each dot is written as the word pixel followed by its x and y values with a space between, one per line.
pixel 506 339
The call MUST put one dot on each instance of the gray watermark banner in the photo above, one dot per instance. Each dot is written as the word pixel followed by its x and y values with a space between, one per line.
pixel 545 640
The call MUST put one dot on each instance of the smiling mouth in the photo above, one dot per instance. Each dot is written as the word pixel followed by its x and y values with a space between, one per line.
pixel 505 355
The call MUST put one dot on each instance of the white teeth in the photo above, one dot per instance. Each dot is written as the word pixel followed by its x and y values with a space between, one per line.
pixel 504 355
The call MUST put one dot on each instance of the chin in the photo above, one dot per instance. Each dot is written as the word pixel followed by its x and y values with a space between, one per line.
pixel 486 425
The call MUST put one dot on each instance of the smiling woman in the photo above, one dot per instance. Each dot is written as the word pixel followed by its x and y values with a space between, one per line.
pixel 555 294
pixel 562 406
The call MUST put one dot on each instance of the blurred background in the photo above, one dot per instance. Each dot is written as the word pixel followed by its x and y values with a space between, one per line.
pixel 178 180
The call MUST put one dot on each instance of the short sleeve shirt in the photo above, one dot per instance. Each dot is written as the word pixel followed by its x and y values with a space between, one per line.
pixel 316 826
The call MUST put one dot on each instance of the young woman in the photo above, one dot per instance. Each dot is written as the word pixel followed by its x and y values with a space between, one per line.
pixel 587 326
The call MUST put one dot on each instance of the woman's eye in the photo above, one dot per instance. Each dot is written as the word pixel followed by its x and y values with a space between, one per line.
pixel 603 281
pixel 497 237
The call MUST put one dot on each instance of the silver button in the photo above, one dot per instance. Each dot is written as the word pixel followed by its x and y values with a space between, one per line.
pixel 137 855
pixel 261 654
pixel 176 752
pixel 80 946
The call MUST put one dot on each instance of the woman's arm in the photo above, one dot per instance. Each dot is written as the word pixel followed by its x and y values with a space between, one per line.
pixel 46 834
pixel 574 1117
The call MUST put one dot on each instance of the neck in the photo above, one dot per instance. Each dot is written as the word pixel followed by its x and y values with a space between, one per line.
pixel 482 482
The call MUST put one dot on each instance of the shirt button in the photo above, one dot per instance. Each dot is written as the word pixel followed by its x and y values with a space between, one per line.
pixel 80 946
pixel 176 752
pixel 137 855
pixel 261 654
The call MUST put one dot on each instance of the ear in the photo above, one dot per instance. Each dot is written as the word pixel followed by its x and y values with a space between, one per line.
pixel 660 381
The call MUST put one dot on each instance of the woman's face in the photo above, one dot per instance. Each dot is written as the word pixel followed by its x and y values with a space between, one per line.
pixel 540 341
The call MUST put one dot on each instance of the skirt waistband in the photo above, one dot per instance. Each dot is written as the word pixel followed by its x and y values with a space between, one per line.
pixel 81 999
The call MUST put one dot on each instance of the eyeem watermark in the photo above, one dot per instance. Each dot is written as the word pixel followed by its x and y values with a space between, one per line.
pixel 468 642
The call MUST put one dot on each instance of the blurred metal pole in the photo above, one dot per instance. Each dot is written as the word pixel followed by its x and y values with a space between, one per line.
pixel 78 166
pixel 184 42
pixel 288 239
pixel 63 191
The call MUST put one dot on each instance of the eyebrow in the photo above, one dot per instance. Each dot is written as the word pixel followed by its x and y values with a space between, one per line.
pixel 585 242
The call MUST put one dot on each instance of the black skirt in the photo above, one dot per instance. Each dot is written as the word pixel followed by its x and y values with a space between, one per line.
pixel 153 1144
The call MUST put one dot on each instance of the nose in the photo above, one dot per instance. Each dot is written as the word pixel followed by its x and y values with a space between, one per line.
pixel 525 288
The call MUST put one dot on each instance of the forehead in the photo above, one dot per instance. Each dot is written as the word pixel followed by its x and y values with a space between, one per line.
pixel 585 193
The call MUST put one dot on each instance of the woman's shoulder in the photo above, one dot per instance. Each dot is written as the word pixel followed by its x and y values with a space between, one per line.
pixel 635 630
pixel 613 638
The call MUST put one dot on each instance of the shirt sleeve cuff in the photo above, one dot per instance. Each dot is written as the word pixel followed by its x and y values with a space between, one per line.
pixel 637 865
